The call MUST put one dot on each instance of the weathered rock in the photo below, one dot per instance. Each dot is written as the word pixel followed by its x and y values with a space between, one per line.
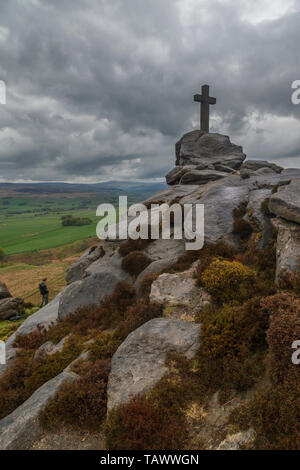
pixel 154 268
pixel 238 441
pixel 103 275
pixel 21 428
pixel 201 176
pixel 257 218
pixel 288 246
pixel 4 292
pixel 178 289
pixel 219 200
pixel 224 168
pixel 75 272
pixel 10 307
pixel 161 249
pixel 197 147
pixel 49 348
pixel 286 203
pixel 258 164
pixel 174 176
pixel 170 194
pixel 139 363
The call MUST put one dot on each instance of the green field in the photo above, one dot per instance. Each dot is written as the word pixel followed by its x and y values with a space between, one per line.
pixel 28 224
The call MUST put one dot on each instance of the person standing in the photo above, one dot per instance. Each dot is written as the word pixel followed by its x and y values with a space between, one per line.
pixel 44 292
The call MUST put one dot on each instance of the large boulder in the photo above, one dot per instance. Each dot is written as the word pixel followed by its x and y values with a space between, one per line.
pixel 139 363
pixel 174 176
pixel 156 267
pixel 75 272
pixel 4 292
pixel 288 246
pixel 178 289
pixel 162 249
pixel 102 277
pixel 286 202
pixel 171 194
pixel 21 428
pixel 219 199
pixel 198 147
pixel 258 164
pixel 201 176
pixel 10 307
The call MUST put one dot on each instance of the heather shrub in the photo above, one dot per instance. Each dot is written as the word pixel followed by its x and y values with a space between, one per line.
pixel 232 346
pixel 239 211
pixel 284 329
pixel 209 253
pixel 141 425
pixel 82 403
pixel 136 316
pixel 25 375
pixel 225 279
pixel 157 420
pixel 133 245
pixel 105 315
pixel 289 281
pixel 104 346
pixel 274 412
pixel 135 262
pixel 145 285
pixel 242 228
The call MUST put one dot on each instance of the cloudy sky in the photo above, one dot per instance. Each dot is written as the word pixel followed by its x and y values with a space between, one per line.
pixel 102 89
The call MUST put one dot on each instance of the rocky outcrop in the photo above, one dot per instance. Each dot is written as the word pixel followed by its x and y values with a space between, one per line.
pixel 156 267
pixel 21 428
pixel 178 289
pixel 201 176
pixel 10 307
pixel 102 277
pixel 258 164
pixel 76 271
pixel 4 292
pixel 139 363
pixel 287 247
pixel 255 215
pixel 238 441
pixel 198 147
pixel 286 202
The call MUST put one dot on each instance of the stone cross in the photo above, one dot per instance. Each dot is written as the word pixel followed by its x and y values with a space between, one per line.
pixel 205 101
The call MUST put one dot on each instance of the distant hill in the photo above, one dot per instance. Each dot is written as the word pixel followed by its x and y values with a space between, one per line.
pixel 48 188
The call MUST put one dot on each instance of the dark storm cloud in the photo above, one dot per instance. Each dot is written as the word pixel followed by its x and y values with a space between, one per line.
pixel 103 89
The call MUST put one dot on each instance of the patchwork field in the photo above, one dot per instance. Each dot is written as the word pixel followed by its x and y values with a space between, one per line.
pixel 28 224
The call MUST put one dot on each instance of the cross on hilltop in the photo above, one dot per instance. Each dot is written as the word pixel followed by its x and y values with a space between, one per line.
pixel 205 101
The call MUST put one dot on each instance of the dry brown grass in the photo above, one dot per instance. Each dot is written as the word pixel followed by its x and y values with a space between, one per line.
pixel 22 276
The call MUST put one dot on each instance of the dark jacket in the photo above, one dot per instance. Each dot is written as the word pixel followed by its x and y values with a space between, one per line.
pixel 43 288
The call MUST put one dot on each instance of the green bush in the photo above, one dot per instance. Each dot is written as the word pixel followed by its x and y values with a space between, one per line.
pixel 71 221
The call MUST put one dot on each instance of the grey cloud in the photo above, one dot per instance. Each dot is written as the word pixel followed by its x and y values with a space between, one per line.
pixel 103 89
